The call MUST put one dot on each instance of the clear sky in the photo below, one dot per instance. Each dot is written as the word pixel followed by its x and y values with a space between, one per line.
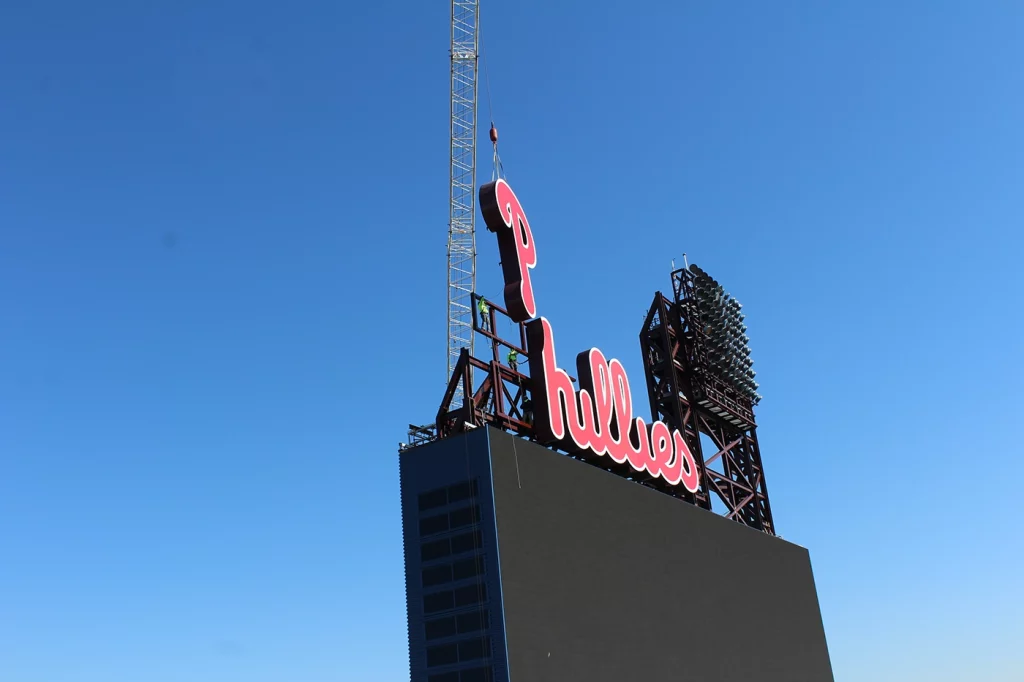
pixel 222 253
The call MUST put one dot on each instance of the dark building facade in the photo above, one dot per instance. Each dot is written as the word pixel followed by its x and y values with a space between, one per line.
pixel 525 565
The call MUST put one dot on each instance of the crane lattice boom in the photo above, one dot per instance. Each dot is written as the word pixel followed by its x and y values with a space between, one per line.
pixel 461 230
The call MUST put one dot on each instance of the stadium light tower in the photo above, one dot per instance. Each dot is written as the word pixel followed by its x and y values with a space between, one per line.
pixel 700 380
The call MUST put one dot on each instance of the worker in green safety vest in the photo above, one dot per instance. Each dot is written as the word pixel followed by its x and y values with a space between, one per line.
pixel 485 318
pixel 513 359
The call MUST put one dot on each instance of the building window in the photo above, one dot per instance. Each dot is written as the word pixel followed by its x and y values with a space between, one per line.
pixel 444 654
pixel 468 568
pixel 457 518
pixel 439 497
pixel 432 525
pixel 449 599
pixel 438 549
pixel 459 544
pixel 441 627
pixel 437 575
pixel 473 649
pixel 462 624
pixel 446 573
pixel 444 677
pixel 470 594
pixel 482 674
pixel 433 499
pixel 460 652
pixel 467 542
pixel 438 601
pixel 472 622
pixel 467 516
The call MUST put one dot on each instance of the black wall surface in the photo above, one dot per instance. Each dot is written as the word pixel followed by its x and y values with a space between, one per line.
pixel 604 580
pixel 438 641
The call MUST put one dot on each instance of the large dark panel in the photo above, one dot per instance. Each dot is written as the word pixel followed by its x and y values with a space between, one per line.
pixel 604 580
pixel 453 596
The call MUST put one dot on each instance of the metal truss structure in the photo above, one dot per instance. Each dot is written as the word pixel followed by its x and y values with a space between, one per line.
pixel 498 397
pixel 686 395
pixel 682 392
pixel 418 435
pixel 462 213
pixel 494 393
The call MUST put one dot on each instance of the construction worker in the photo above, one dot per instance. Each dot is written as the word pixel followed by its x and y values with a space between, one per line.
pixel 485 318
pixel 513 359
pixel 527 409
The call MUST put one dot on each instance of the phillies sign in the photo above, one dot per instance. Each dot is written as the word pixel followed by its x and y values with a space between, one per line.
pixel 597 419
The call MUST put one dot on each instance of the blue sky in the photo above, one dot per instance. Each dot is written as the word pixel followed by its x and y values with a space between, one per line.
pixel 214 215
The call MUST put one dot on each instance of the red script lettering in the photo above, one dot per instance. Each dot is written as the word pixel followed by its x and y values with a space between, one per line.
pixel 504 215
pixel 598 418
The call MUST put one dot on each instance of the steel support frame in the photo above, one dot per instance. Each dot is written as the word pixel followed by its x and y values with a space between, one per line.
pixel 684 394
pixel 736 475
pixel 487 391
pixel 462 198
pixel 496 391
pixel 665 385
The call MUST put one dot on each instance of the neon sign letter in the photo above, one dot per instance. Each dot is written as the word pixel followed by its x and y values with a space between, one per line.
pixel 504 215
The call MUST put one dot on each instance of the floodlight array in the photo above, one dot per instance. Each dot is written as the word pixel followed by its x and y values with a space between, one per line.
pixel 725 340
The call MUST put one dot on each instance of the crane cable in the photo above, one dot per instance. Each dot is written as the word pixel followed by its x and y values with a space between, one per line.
pixel 498 170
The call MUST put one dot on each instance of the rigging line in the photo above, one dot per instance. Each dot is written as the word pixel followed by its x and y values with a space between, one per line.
pixel 516 456
pixel 498 169
pixel 487 83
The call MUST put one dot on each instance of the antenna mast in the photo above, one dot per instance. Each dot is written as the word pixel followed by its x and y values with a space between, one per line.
pixel 461 229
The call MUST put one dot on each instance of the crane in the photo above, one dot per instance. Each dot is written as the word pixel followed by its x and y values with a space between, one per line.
pixel 465 36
